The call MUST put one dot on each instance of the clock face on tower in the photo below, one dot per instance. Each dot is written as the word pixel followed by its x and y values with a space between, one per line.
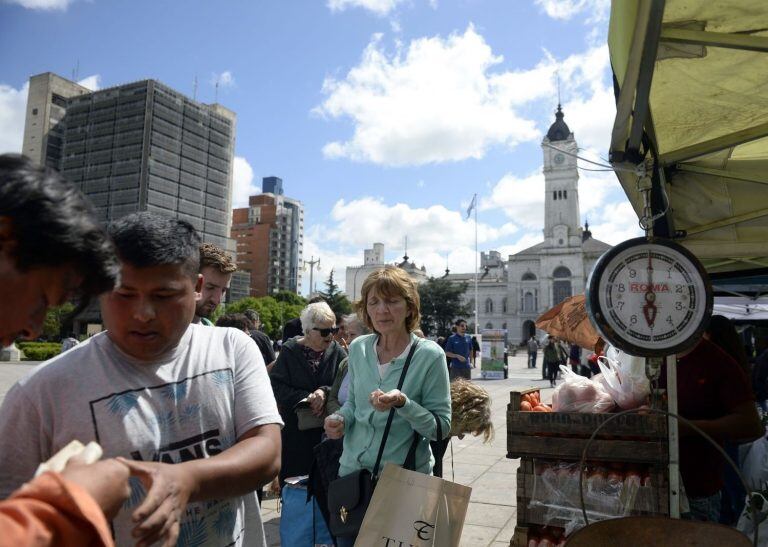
pixel 649 298
pixel 559 158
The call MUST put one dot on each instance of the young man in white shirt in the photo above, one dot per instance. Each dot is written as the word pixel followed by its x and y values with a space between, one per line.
pixel 188 408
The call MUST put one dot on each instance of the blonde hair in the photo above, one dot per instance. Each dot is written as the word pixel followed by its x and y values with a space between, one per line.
pixel 470 410
pixel 390 281
pixel 211 255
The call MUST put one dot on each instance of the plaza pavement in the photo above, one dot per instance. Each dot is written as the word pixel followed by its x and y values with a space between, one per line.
pixel 484 467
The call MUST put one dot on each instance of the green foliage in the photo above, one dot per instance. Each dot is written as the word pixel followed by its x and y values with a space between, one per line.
pixel 39 351
pixel 57 320
pixel 273 313
pixel 441 305
pixel 290 298
pixel 336 299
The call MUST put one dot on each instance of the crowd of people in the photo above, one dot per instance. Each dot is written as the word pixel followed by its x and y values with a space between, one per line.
pixel 194 419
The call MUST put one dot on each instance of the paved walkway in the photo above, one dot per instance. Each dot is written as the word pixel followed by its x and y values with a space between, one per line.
pixel 492 513
pixel 484 467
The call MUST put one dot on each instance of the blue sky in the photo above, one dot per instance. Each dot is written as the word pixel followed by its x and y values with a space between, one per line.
pixel 382 116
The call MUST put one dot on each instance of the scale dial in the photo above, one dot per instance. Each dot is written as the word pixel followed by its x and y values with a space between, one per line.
pixel 559 158
pixel 649 298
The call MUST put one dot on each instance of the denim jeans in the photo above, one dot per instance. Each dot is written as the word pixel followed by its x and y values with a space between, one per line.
pixel 705 509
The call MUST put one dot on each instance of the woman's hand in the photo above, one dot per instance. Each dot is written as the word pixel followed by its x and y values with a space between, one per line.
pixel 384 401
pixel 316 401
pixel 334 427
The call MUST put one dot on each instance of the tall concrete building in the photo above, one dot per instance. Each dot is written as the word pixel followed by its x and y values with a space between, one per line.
pixel 137 147
pixel 46 108
pixel 269 234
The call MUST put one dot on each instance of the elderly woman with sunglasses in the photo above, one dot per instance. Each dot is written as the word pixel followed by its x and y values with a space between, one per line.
pixel 303 374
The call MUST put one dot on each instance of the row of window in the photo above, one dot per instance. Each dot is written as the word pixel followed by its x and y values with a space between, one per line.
pixel 561 272
pixel 559 194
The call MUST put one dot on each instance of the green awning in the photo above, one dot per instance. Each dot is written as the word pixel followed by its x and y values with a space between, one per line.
pixel 693 81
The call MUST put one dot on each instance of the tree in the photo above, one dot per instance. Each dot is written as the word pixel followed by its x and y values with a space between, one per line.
pixel 441 304
pixel 290 298
pixel 57 320
pixel 336 299
pixel 273 314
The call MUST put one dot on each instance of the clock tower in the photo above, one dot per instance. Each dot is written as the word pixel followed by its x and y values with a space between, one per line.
pixel 562 223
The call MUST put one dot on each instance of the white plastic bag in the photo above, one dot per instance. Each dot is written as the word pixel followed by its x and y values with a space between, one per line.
pixel 623 377
pixel 754 466
pixel 580 394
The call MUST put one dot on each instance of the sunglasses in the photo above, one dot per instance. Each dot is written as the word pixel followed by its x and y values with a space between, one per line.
pixel 326 332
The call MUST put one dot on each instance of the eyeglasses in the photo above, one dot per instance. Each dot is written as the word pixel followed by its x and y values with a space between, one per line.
pixel 326 332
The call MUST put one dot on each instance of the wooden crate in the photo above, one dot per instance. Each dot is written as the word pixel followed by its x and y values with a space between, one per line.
pixel 650 501
pixel 563 435
pixel 520 537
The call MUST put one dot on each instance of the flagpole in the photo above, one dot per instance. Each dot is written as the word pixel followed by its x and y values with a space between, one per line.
pixel 477 303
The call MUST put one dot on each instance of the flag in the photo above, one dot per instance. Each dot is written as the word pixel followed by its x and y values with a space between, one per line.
pixel 472 205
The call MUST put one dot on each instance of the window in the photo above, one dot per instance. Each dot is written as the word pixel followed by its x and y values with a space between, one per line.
pixel 561 272
pixel 554 195
pixel 489 325
pixel 565 194
pixel 489 306
pixel 561 287
pixel 529 276
pixel 528 304
pixel 504 305
pixel 34 111
pixel 504 326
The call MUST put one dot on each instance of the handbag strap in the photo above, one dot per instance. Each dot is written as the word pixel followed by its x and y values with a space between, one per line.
pixel 392 410
pixel 410 459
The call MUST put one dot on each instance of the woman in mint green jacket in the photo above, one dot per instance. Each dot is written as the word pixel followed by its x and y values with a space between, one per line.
pixel 389 306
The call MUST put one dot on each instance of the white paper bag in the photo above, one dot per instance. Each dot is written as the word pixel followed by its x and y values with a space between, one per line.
pixel 415 509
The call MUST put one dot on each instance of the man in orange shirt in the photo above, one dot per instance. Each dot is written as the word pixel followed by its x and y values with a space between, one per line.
pixel 52 249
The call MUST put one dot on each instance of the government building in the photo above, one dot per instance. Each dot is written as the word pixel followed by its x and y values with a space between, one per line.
pixel 513 293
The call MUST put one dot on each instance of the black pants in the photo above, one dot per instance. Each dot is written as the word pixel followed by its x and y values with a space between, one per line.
pixel 438 451
pixel 552 370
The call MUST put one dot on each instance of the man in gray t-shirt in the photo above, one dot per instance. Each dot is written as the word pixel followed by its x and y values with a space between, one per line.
pixel 190 408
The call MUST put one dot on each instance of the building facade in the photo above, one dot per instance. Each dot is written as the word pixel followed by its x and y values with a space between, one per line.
pixel 269 236
pixel 138 147
pixel 373 259
pixel 513 293
pixel 46 108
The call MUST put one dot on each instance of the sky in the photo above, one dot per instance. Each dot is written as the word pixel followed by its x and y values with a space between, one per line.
pixel 384 117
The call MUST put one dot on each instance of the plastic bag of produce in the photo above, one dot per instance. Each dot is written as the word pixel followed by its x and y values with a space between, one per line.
pixel 580 394
pixel 623 377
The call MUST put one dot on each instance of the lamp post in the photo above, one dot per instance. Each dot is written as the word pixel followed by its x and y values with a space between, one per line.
pixel 312 262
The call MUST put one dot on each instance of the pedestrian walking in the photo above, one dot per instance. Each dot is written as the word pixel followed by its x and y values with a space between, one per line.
pixel 458 348
pixel 533 348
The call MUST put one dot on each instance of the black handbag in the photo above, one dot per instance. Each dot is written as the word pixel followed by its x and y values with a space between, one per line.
pixel 349 496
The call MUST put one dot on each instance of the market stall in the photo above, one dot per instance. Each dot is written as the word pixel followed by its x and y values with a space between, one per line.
pixel 690 148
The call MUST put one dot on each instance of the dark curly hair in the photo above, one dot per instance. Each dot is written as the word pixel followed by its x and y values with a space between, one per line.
pixel 53 224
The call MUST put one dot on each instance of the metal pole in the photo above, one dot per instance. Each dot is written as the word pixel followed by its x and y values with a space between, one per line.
pixel 672 427
pixel 477 303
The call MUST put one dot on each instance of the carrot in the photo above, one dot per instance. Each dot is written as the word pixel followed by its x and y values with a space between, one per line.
pixel 526 406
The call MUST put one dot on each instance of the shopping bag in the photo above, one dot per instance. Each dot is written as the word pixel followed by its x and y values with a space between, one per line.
pixel 410 508
pixel 301 522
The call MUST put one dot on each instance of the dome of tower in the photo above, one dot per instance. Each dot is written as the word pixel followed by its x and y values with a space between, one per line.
pixel 559 130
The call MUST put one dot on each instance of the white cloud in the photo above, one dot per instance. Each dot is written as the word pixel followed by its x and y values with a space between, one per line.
pixel 92 82
pixel 616 222
pixel 434 101
pixel 243 185
pixel 440 100
pixel 224 79
pixel 379 7
pixel 566 9
pixel 43 5
pixel 13 107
